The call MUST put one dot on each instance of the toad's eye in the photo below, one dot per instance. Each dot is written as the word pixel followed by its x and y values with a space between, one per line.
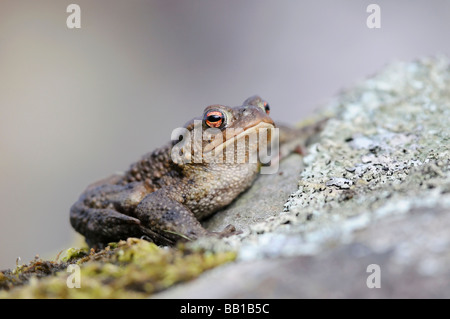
pixel 266 107
pixel 214 118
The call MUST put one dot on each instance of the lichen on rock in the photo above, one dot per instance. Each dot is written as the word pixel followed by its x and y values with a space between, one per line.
pixel 386 151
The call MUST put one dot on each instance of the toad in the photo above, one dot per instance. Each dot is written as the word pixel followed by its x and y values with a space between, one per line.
pixel 164 196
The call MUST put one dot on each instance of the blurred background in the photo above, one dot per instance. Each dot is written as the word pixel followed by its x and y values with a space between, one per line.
pixel 77 105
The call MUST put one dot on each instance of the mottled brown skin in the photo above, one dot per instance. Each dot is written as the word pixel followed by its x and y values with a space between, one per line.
pixel 163 200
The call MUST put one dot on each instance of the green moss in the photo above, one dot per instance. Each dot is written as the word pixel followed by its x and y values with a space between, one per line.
pixel 128 269
pixel 73 253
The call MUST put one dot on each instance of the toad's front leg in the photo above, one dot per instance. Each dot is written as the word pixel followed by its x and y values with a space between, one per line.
pixel 166 220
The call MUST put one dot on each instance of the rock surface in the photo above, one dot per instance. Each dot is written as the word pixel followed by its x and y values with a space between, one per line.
pixel 263 200
pixel 375 189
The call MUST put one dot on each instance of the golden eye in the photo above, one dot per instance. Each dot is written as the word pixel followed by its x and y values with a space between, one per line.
pixel 267 107
pixel 214 118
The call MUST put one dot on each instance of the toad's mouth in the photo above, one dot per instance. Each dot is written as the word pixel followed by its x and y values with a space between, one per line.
pixel 233 135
